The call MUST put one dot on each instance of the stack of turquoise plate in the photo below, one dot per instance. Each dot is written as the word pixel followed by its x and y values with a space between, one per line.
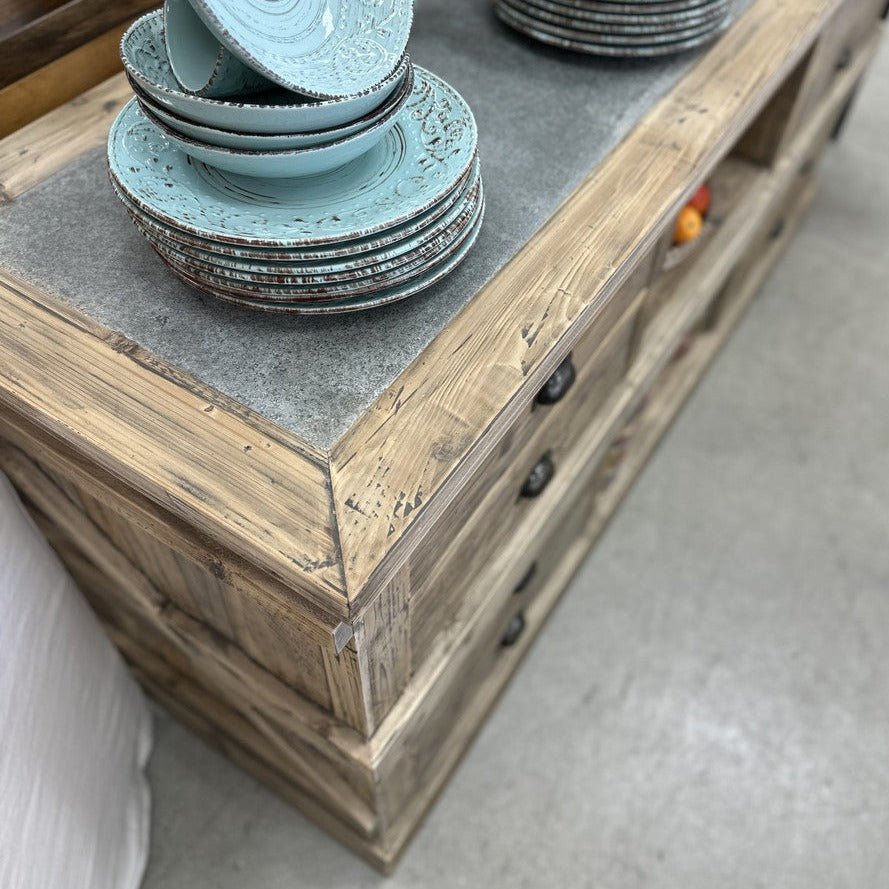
pixel 332 175
pixel 624 28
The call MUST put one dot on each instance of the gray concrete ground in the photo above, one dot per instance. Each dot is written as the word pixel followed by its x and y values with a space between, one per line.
pixel 709 705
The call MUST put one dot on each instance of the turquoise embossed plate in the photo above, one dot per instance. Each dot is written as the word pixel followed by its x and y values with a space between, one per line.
pixel 383 297
pixel 430 147
pixel 282 285
pixel 323 271
pixel 144 57
pixel 347 253
pixel 321 48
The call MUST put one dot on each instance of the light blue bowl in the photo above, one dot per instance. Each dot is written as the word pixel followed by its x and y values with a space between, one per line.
pixel 200 63
pixel 144 57
pixel 322 48
pixel 165 119
pixel 286 163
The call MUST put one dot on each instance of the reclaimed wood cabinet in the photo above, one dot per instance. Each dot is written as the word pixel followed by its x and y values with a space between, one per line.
pixel 338 617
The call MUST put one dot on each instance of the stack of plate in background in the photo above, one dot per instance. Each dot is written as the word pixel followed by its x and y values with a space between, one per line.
pixel 283 202
pixel 618 27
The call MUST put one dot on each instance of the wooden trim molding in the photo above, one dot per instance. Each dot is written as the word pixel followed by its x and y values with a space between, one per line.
pixel 61 80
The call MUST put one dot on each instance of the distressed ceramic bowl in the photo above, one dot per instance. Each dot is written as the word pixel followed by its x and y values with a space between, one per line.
pixel 145 60
pixel 321 48
pixel 275 142
pixel 200 63
pixel 283 163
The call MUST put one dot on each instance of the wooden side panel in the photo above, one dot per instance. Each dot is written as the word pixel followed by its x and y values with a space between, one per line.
pixel 262 617
pixel 297 738
pixel 263 633
pixel 59 81
pixel 44 147
pixel 383 640
pixel 235 477
pixel 37 38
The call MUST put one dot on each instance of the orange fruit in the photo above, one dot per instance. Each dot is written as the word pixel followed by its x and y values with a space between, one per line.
pixel 688 225
pixel 700 200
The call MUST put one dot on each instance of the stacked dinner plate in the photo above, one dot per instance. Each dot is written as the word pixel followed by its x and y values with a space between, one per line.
pixel 283 202
pixel 618 27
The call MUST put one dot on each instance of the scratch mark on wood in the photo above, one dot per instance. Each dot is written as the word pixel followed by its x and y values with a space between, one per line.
pixel 310 566
pixel 530 332
pixel 462 344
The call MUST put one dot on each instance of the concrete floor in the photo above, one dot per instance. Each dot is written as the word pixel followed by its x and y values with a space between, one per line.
pixel 709 705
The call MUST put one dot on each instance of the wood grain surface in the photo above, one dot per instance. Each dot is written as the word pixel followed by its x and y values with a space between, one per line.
pixel 35 33
pixel 59 81
pixel 260 492
pixel 132 436
pixel 35 152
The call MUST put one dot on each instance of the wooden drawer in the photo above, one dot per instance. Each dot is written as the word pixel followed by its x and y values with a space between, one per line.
pixel 835 50
pixel 505 490
pixel 434 727
pixel 101 530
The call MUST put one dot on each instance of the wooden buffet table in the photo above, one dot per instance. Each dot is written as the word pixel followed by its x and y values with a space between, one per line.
pixel 335 591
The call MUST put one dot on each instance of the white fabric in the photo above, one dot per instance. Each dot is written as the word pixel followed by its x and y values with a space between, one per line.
pixel 75 731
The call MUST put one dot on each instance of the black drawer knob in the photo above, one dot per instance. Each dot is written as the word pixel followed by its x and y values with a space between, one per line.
pixel 513 631
pixel 845 59
pixel 539 477
pixel 558 384
pixel 528 576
